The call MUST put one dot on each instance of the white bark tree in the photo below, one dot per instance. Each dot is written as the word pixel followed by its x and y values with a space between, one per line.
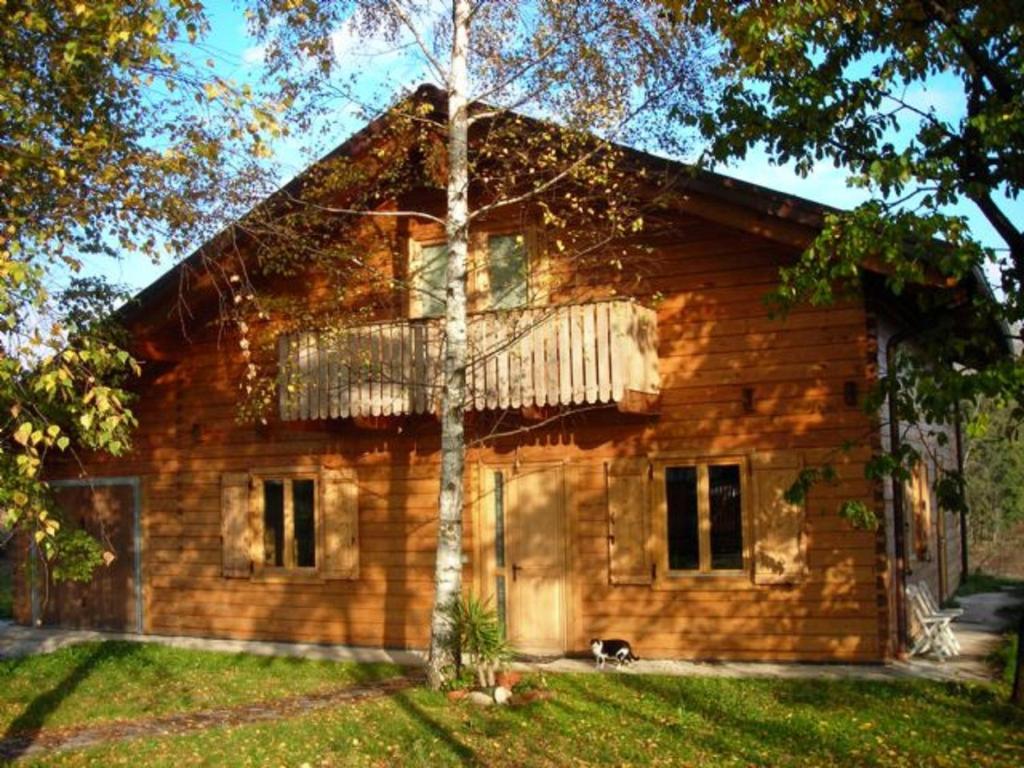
pixel 603 71
pixel 448 562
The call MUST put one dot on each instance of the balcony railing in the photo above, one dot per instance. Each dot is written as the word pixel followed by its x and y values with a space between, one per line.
pixel 600 352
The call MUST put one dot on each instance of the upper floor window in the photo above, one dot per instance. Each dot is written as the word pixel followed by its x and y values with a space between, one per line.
pixel 499 269
pixel 428 268
pixel 507 271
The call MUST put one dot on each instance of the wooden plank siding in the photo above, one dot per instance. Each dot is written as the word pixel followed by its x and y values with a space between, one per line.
pixel 715 339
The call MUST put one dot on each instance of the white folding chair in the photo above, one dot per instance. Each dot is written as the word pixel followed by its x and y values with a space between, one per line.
pixel 933 605
pixel 935 633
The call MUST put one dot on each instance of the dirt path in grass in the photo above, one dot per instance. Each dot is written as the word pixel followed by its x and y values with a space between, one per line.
pixel 28 743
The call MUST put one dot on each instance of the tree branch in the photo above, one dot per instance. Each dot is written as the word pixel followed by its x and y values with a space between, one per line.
pixel 985 66
pixel 440 71
pixel 360 212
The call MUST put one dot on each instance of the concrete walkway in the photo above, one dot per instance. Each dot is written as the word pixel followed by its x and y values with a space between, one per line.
pixel 979 632
pixel 16 640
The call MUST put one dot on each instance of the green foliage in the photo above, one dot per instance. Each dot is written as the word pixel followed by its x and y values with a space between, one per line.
pixel 117 140
pixel 478 633
pixel 113 132
pixel 79 552
pixel 1004 658
pixel 859 515
pixel 61 391
pixel 844 83
pixel 951 492
pixel 807 479
pixel 994 468
pixel 855 512
pixel 835 81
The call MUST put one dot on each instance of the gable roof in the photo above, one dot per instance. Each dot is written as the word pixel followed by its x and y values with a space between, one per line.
pixel 781 217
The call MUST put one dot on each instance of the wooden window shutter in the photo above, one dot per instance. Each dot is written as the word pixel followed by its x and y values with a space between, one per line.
pixel 234 525
pixel 779 543
pixel 479 281
pixel 413 271
pixel 256 533
pixel 340 502
pixel 918 503
pixel 538 266
pixel 628 486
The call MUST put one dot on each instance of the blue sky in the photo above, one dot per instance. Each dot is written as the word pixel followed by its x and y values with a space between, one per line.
pixel 238 56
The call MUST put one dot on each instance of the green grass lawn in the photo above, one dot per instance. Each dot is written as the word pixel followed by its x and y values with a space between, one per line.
pixel 607 719
pixel 98 682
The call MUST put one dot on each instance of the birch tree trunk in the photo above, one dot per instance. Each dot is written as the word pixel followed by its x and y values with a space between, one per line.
pixel 448 565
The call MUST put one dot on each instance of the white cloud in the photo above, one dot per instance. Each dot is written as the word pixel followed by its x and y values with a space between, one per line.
pixel 387 65
pixel 253 55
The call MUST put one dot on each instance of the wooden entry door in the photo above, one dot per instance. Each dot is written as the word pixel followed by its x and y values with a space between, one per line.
pixel 535 560
pixel 108 600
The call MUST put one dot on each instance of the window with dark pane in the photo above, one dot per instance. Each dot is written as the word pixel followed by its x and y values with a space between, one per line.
pixel 725 511
pixel 499 519
pixel 683 517
pixel 304 518
pixel 507 271
pixel 499 544
pixel 273 522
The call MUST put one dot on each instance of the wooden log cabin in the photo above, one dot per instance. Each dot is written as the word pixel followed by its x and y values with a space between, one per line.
pixel 633 429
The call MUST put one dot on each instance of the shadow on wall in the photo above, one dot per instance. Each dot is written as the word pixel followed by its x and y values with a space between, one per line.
pixel 715 344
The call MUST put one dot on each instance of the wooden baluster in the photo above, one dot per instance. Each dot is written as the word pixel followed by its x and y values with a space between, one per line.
pixel 618 343
pixel 501 360
pixel 589 348
pixel 526 337
pixel 567 354
pixel 578 353
pixel 540 375
pixel 551 363
pixel 604 383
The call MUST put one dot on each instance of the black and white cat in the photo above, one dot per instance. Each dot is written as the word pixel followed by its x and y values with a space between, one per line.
pixel 619 650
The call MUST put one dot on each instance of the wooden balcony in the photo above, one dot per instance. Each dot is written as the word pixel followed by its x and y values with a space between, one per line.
pixel 601 352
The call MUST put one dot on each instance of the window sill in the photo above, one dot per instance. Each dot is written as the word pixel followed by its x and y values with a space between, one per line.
pixel 286 576
pixel 678 580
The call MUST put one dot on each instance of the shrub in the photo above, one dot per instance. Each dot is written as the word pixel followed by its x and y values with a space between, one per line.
pixel 478 634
